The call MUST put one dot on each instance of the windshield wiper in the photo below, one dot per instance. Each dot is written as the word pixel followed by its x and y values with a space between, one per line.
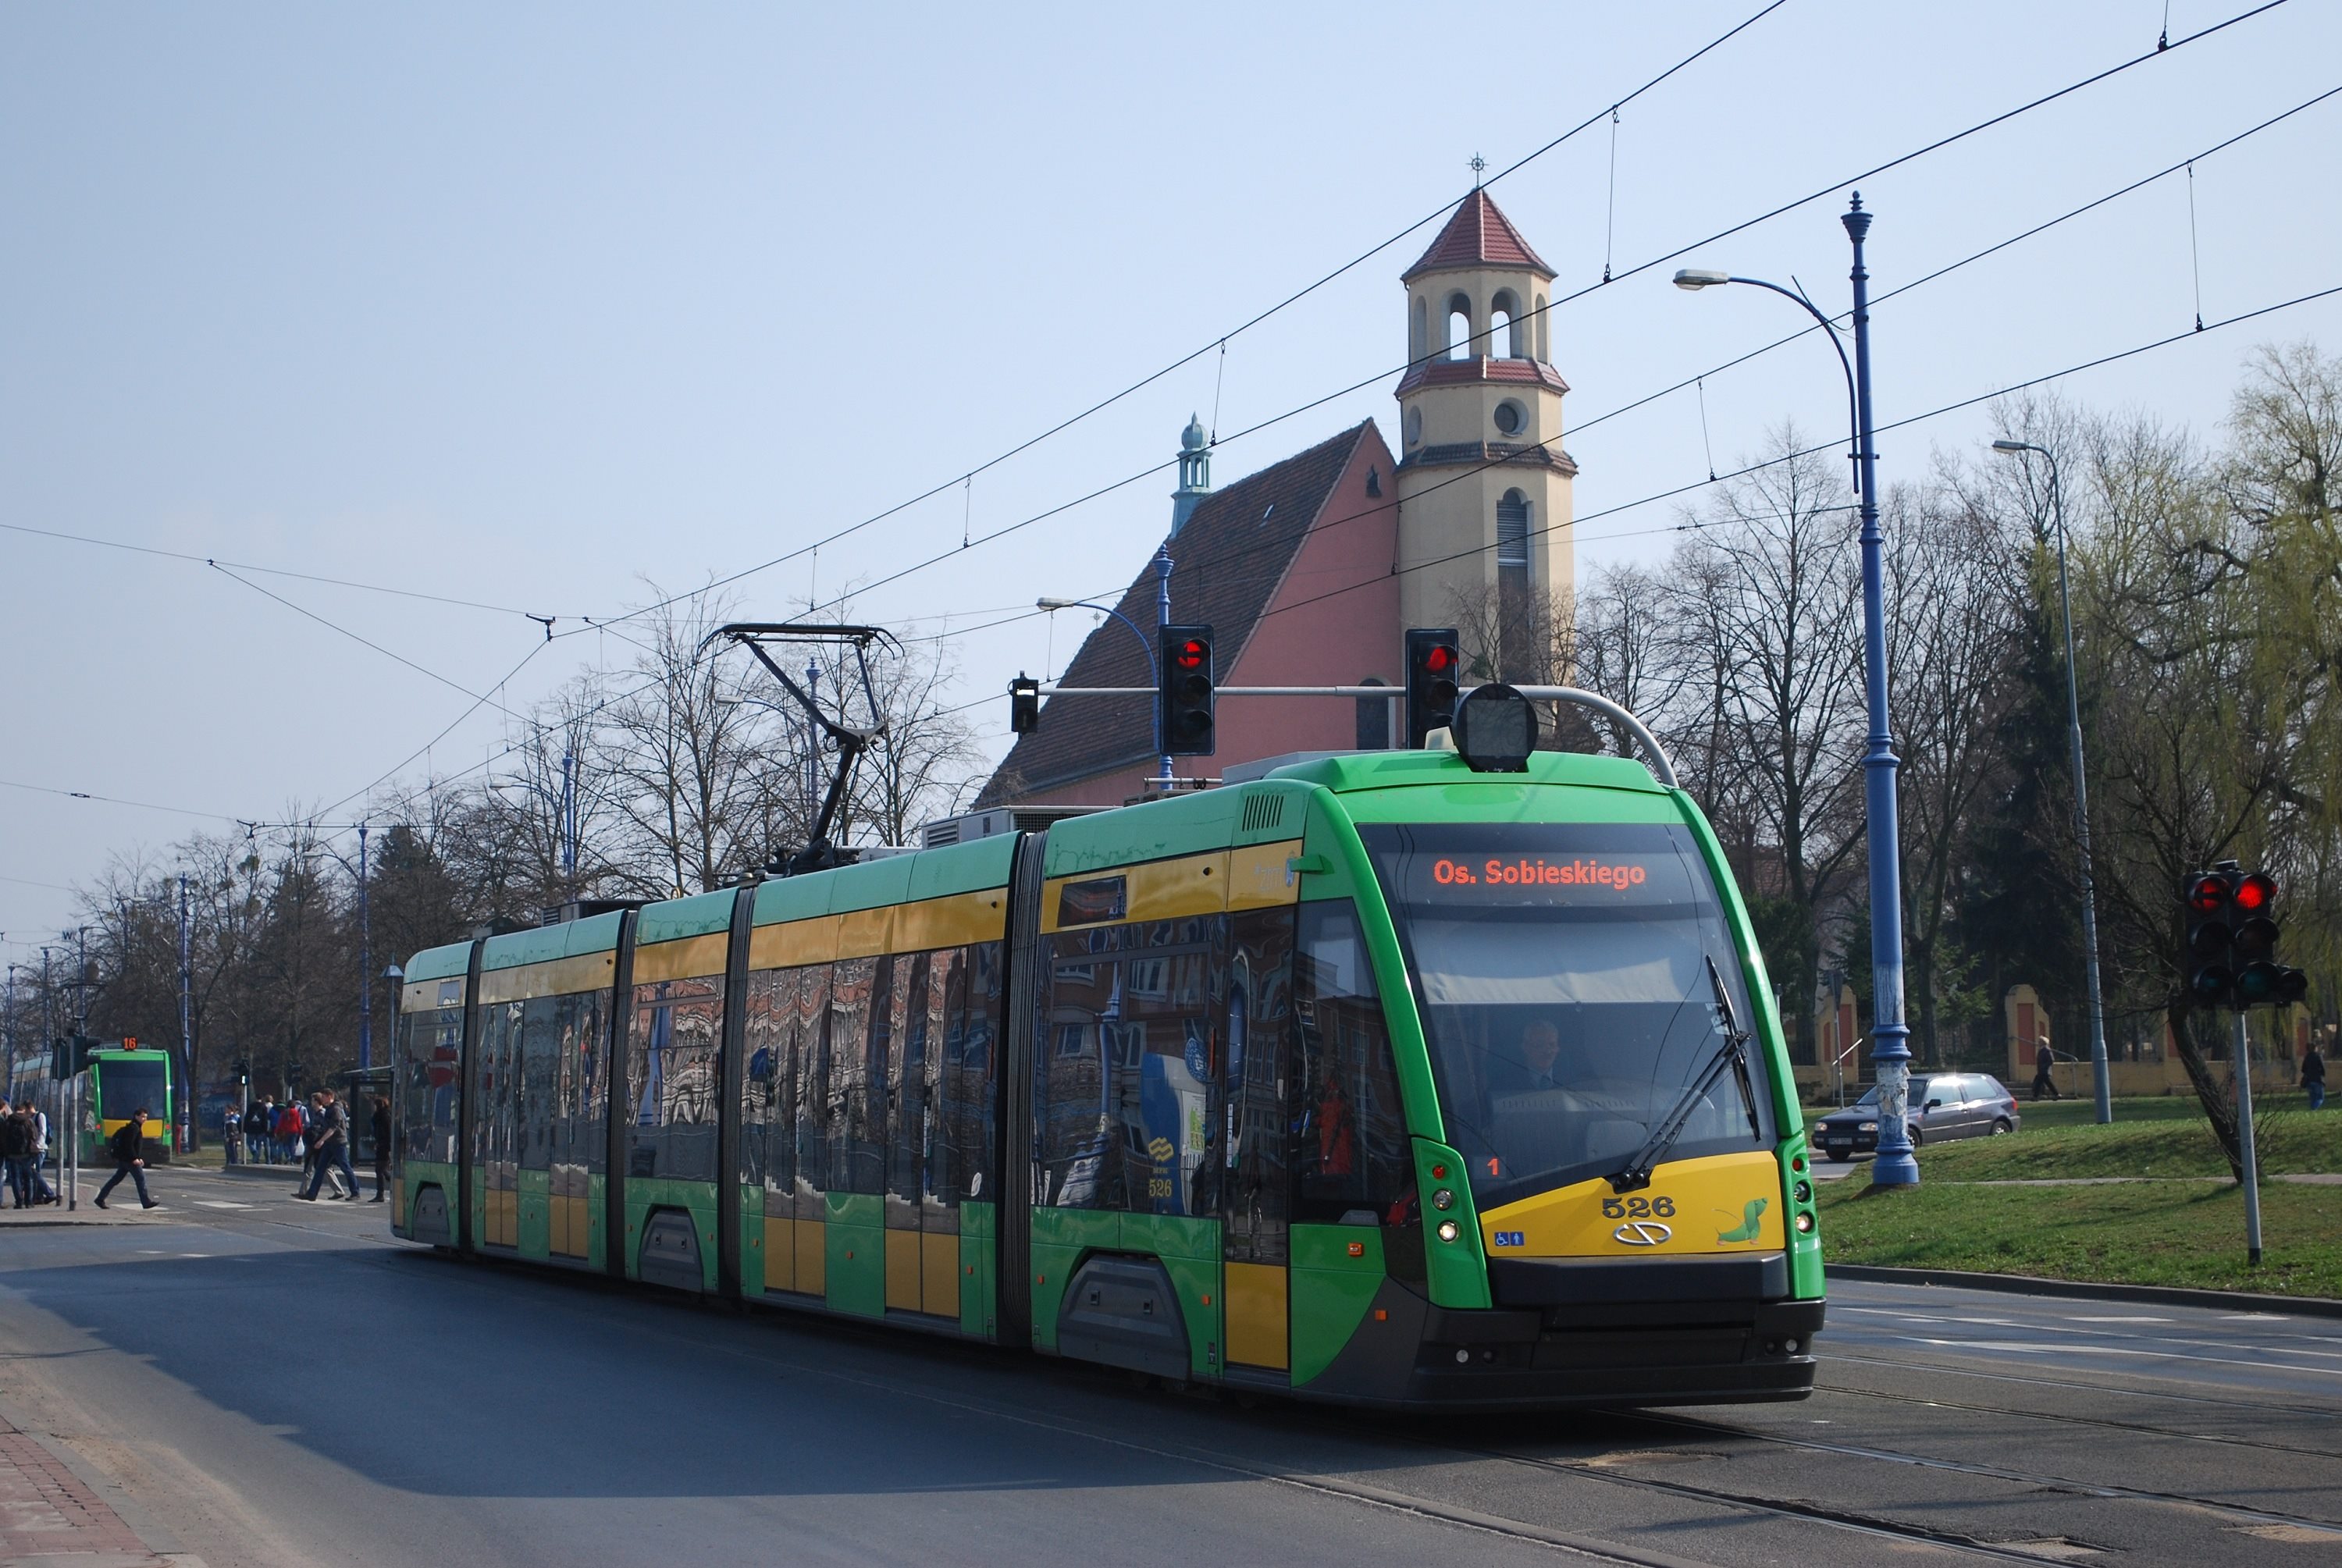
pixel 1733 1053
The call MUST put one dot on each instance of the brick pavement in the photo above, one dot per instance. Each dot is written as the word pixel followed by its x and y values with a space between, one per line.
pixel 49 1518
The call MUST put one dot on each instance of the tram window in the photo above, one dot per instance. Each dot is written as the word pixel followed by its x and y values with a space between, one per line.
pixel 674 1078
pixel 1256 1177
pixel 956 1080
pixel 1078 1168
pixel 589 1057
pixel 1350 1151
pixel 499 1084
pixel 907 1097
pixel 859 1005
pixel 813 1111
pixel 1562 971
pixel 432 1091
pixel 764 1082
pixel 540 1058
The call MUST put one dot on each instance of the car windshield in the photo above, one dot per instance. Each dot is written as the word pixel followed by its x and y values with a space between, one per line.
pixel 1918 1095
pixel 1562 975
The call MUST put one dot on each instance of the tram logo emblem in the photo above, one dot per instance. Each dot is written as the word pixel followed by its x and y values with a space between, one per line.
pixel 1642 1233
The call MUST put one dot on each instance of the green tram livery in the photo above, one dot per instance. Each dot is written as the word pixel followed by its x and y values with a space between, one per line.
pixel 1376 1081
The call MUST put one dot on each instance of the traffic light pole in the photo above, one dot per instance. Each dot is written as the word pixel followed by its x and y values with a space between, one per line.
pixel 2244 1144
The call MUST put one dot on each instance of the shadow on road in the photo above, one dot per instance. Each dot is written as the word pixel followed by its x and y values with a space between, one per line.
pixel 433 1374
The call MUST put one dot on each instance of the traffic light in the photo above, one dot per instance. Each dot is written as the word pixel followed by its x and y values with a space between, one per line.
pixel 1433 661
pixel 1184 703
pixel 2232 938
pixel 1024 705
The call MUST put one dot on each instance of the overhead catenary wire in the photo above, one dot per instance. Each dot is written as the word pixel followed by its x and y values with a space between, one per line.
pixel 1581 426
pixel 1156 468
pixel 195 560
pixel 1935 146
pixel 1221 340
pixel 1832 444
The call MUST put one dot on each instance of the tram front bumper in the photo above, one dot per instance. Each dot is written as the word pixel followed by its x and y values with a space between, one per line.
pixel 1692 1331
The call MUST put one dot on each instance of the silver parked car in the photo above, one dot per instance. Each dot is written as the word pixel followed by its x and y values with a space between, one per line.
pixel 1943 1105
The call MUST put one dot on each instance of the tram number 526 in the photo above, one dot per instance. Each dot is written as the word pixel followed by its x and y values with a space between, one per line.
pixel 1638 1208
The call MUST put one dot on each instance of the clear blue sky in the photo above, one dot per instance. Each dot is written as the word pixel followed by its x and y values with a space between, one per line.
pixel 532 304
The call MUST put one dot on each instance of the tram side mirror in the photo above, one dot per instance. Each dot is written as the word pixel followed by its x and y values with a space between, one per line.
pixel 1495 730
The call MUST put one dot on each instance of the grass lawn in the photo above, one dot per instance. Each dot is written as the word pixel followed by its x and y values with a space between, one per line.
pixel 2143 1232
pixel 2289 1140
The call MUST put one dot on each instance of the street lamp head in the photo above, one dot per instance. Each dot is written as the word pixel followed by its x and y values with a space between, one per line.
pixel 2008 448
pixel 1057 603
pixel 1696 278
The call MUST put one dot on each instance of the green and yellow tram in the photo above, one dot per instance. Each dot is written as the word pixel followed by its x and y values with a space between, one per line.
pixel 123 1079
pixel 1376 1080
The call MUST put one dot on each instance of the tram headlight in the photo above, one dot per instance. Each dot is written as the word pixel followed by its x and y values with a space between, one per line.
pixel 1443 1199
pixel 1805 1224
pixel 1448 1231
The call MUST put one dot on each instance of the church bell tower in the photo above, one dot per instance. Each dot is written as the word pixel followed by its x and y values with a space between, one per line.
pixel 1484 539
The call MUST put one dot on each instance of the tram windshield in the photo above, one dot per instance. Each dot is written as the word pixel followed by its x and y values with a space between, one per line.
pixel 1561 970
pixel 124 1085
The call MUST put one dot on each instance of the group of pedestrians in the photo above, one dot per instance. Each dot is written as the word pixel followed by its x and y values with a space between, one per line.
pixel 23 1146
pixel 269 1133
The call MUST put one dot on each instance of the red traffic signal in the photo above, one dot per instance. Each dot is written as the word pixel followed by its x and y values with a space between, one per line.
pixel 1433 663
pixel 2208 894
pixel 1183 693
pixel 2231 943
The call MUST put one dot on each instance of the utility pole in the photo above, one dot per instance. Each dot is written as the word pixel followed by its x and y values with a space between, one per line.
pixel 186 1030
pixel 365 954
pixel 1163 619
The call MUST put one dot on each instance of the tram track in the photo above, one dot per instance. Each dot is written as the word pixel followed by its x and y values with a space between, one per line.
pixel 2140 1428
pixel 2108 1490
pixel 2240 1400
pixel 1875 1526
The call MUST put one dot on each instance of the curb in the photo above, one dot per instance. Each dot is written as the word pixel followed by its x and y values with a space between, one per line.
pixel 2029 1284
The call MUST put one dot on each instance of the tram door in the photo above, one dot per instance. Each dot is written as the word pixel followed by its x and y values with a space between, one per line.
pixel 1257 1185
pixel 497 1132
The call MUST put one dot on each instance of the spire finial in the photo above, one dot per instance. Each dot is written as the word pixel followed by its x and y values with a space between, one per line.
pixel 1478 164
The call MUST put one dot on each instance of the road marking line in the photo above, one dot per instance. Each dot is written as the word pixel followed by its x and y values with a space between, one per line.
pixel 220 1203
pixel 2115 1350
pixel 2121 1320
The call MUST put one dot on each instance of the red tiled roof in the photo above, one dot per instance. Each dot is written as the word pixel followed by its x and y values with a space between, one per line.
pixel 1477 234
pixel 1226 563
pixel 1479 367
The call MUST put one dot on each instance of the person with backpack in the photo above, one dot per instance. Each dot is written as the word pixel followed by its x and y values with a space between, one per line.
pixel 125 1144
pixel 330 1147
pixel 231 1127
pixel 16 1154
pixel 40 1119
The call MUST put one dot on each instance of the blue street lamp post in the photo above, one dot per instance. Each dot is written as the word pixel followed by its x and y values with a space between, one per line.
pixel 1163 614
pixel 1890 1036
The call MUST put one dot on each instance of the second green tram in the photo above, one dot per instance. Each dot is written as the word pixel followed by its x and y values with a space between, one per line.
pixel 1375 1081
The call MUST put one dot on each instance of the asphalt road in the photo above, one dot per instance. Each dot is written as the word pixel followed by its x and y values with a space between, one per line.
pixel 280 1384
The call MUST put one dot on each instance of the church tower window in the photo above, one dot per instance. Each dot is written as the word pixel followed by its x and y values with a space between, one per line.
pixel 1419 331
pixel 1459 327
pixel 1513 533
pixel 1544 346
pixel 1505 325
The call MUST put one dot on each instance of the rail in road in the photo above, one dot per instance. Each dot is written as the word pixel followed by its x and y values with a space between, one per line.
pixel 280 1383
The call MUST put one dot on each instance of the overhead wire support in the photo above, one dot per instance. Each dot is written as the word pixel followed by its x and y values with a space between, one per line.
pixel 1248 324
pixel 1557 302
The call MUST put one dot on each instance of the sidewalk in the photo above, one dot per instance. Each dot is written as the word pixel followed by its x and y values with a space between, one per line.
pixel 52 1517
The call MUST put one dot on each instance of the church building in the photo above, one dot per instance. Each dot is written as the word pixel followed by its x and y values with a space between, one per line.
pixel 1309 571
